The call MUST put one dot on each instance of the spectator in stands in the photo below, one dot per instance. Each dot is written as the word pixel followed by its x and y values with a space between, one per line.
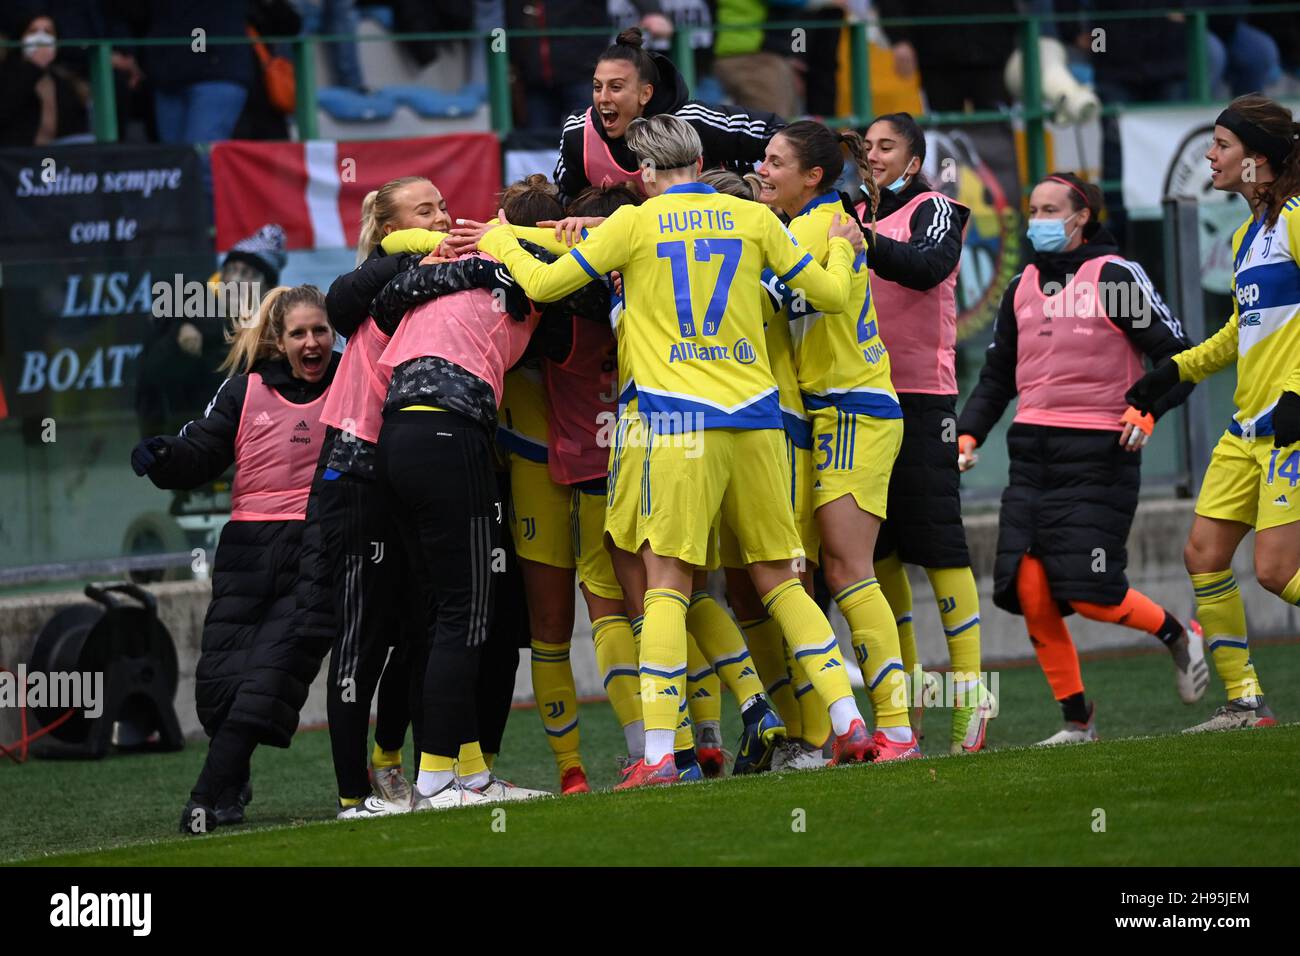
pixel 199 87
pixel 818 63
pixel 260 118
pixel 335 17
pixel 753 65
pixel 1284 28
pixel 961 67
pixel 1242 58
pixel 554 73
pixel 42 102
pixel 1135 60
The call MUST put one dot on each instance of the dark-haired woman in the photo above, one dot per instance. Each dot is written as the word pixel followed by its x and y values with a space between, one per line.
pixel 1255 469
pixel 252 675
pixel 853 411
pixel 629 82
pixel 913 255
pixel 1068 342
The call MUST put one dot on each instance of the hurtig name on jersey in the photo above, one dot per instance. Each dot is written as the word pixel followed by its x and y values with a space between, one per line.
pixel 742 352
pixel 687 220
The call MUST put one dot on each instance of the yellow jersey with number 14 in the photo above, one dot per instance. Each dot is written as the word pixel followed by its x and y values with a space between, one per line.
pixel 691 261
pixel 842 361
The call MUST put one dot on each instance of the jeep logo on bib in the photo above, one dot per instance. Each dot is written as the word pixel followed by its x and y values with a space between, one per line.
pixel 1248 295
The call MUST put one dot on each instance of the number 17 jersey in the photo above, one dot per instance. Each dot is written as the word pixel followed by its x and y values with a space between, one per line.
pixel 692 261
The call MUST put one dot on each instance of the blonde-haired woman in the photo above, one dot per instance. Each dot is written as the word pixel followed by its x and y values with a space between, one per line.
pixel 264 419
pixel 411 202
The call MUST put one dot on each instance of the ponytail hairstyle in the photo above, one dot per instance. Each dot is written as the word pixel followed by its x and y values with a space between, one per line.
pixel 733 184
pixel 628 47
pixel 817 146
pixel 258 338
pixel 601 201
pixel 378 209
pixel 532 200
pixel 1083 195
pixel 1275 135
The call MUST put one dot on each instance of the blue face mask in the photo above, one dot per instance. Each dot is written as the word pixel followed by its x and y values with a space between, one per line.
pixel 1049 235
pixel 898 183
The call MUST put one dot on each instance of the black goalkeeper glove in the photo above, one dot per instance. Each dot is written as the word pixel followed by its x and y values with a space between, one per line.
pixel 1286 420
pixel 1153 386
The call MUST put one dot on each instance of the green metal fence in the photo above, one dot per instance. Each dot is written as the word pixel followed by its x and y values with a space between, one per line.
pixel 1029 28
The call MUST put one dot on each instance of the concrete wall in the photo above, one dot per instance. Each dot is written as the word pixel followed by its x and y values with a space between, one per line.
pixel 1155 567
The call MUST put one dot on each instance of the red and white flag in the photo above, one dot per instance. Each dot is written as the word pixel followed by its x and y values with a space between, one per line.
pixel 314 189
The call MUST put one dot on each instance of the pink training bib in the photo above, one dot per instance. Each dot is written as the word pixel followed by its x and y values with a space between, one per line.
pixel 918 328
pixel 581 397
pixel 466 329
pixel 355 401
pixel 598 163
pixel 1073 364
pixel 276 448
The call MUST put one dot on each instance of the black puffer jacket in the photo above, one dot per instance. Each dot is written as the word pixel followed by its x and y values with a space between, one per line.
pixel 251 670
pixel 1072 491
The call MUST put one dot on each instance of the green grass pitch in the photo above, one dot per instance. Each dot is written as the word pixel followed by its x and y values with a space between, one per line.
pixel 1140 797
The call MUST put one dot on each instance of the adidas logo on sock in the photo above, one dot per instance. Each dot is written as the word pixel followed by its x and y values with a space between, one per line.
pixel 262 419
pixel 748 672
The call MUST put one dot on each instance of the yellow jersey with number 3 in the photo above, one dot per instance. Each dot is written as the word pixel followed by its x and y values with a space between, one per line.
pixel 691 261
pixel 842 361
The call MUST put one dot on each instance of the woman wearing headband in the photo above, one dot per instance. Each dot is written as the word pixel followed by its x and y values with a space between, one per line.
pixel 1255 468
pixel 1069 339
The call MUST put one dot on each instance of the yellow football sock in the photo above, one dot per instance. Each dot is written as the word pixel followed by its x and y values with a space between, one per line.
pixel 433 763
pixel 959 609
pixel 811 639
pixel 723 645
pixel 814 718
pixel 345 802
pixel 382 759
pixel 703 686
pixel 898 592
pixel 1223 618
pixel 616 659
pixel 663 659
pixel 557 701
pixel 767 646
pixel 875 642
pixel 470 760
pixel 489 759
pixel 1291 593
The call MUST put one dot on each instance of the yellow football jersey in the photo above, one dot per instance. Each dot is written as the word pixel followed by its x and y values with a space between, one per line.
pixel 780 353
pixel 697 352
pixel 840 357
pixel 522 426
pixel 1263 334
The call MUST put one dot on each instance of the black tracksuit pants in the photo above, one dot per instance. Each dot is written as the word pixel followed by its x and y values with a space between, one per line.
pixel 364 567
pixel 437 467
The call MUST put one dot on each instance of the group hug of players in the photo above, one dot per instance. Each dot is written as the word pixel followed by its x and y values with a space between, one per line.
pixel 684 369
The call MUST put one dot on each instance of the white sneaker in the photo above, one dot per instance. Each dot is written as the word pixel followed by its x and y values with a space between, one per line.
pixel 1236 714
pixel 1074 732
pixel 790 755
pixel 449 797
pixel 373 806
pixel 497 790
pixel 1190 668
pixel 391 785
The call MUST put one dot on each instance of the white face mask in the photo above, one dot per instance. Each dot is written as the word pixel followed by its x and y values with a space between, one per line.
pixel 36 40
